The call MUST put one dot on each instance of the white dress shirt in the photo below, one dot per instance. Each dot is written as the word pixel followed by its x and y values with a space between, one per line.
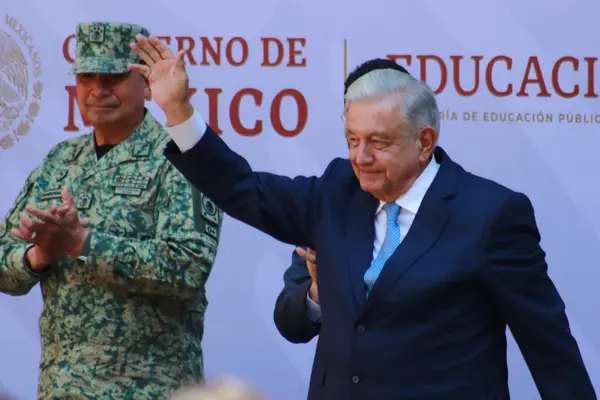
pixel 187 134
pixel 409 204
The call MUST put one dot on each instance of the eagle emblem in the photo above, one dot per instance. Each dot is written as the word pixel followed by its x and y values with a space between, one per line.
pixel 20 85
pixel 96 33
pixel 14 81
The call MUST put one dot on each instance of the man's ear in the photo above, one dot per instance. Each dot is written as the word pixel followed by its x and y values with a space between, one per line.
pixel 427 139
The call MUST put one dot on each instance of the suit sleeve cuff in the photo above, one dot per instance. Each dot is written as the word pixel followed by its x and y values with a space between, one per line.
pixel 313 309
pixel 189 133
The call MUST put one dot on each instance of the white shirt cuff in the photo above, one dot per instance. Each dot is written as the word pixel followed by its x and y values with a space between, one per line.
pixel 187 134
pixel 314 310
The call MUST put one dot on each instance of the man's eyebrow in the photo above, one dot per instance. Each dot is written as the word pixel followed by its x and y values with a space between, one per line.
pixel 382 134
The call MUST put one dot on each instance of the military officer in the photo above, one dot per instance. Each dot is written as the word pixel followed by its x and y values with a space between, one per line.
pixel 121 244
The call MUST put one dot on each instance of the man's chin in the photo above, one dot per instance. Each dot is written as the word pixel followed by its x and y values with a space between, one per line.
pixel 371 186
pixel 102 117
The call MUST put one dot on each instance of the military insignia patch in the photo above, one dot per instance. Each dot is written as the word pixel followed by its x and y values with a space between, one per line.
pixel 84 201
pixel 210 210
pixel 75 153
pixel 211 230
pixel 96 34
pixel 130 185
pixel 61 175
pixel 53 194
pixel 128 191
pixel 141 150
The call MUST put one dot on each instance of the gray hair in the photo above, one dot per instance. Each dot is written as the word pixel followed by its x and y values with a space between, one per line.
pixel 417 101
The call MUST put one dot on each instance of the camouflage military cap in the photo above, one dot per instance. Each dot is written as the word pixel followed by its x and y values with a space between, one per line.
pixel 103 47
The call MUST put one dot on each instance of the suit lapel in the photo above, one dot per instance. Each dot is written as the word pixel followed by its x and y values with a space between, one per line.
pixel 360 234
pixel 425 230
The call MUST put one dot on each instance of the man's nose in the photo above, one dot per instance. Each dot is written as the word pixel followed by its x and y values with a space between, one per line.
pixel 101 89
pixel 363 155
pixel 100 82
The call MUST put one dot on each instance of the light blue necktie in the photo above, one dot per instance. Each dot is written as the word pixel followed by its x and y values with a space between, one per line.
pixel 390 243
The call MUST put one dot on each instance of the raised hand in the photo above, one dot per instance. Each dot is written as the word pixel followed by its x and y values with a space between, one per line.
pixel 167 77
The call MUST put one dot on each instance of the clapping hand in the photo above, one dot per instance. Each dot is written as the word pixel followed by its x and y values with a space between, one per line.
pixel 53 233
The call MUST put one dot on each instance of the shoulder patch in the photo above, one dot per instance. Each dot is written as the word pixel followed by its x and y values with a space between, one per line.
pixel 212 231
pixel 209 210
pixel 207 216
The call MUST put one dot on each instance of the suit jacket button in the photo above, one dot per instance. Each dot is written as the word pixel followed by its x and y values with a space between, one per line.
pixel 355 379
pixel 360 329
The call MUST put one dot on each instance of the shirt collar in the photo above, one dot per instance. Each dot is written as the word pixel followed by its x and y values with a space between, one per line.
pixel 412 198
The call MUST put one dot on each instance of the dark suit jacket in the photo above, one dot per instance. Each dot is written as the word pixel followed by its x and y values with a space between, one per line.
pixel 434 324
pixel 291 315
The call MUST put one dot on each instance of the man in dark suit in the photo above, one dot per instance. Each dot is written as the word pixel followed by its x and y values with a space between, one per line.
pixel 421 264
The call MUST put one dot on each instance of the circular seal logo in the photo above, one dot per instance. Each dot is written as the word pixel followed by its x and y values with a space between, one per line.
pixel 209 206
pixel 20 85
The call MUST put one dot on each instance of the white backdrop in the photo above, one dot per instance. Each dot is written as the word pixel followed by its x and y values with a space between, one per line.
pixel 518 44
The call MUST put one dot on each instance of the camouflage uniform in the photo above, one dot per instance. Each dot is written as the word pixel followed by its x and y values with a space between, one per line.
pixel 126 319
